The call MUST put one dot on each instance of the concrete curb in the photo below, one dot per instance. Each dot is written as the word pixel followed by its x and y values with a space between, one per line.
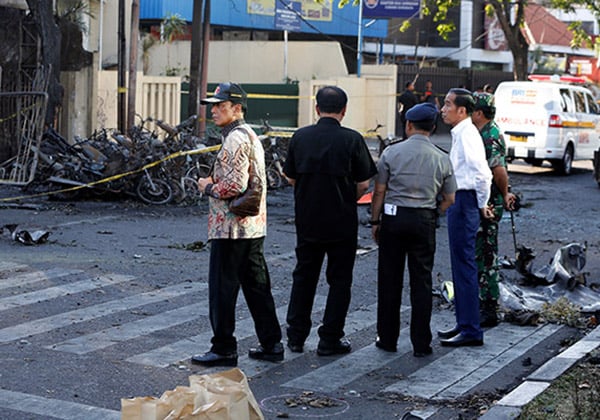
pixel 511 405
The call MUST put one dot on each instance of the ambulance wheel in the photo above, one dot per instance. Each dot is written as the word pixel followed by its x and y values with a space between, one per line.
pixel 564 165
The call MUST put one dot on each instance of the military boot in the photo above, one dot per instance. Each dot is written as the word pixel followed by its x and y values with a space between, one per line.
pixel 488 313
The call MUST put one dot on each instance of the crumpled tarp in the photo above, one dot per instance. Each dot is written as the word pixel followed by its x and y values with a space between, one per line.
pixel 529 288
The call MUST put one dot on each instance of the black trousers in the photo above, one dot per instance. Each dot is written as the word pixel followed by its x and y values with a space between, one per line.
pixel 410 234
pixel 236 263
pixel 340 263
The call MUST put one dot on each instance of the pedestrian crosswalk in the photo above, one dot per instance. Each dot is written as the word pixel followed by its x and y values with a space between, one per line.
pixel 456 371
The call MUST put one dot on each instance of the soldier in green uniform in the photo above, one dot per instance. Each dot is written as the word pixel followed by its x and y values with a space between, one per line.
pixel 486 248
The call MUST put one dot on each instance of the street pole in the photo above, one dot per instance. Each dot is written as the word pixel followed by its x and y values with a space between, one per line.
pixel 133 58
pixel 285 56
pixel 204 68
pixel 359 46
pixel 121 89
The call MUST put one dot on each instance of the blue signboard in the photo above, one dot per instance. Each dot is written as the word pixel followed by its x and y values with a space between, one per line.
pixel 288 18
pixel 320 18
pixel 385 9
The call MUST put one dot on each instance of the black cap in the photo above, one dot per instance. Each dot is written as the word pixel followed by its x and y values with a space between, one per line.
pixel 227 92
pixel 422 112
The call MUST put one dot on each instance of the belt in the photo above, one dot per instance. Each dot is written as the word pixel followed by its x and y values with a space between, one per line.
pixel 392 209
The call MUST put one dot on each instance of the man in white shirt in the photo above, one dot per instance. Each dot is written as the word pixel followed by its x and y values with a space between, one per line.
pixel 473 177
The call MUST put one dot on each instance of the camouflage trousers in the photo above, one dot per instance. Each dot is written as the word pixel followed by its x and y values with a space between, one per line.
pixel 486 256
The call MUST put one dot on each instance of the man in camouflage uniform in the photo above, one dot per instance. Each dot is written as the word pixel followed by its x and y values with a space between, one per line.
pixel 486 248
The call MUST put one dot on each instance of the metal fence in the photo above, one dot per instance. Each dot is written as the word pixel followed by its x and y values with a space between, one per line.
pixel 21 127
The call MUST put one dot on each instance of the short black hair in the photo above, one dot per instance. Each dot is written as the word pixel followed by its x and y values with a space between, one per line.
pixel 408 84
pixel 331 99
pixel 463 98
pixel 489 112
pixel 425 125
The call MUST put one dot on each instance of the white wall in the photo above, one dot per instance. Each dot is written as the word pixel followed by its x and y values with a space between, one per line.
pixel 371 99
pixel 255 61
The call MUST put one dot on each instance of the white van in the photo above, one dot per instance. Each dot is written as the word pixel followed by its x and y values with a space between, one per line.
pixel 550 121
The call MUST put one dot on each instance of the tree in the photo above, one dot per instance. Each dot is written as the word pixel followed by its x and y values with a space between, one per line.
pixel 580 37
pixel 171 27
pixel 510 14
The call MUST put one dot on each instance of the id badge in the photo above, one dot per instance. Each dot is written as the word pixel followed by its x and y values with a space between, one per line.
pixel 389 209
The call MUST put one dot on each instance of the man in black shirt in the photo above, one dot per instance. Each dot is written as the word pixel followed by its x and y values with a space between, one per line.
pixel 330 167
pixel 406 101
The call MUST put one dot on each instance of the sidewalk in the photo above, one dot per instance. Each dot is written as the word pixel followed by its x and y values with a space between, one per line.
pixel 511 405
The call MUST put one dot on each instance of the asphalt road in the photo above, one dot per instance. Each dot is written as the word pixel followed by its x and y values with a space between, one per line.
pixel 115 303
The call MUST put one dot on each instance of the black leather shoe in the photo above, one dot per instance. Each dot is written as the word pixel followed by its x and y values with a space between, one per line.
pixel 461 340
pixel 423 353
pixel 215 359
pixel 272 354
pixel 380 345
pixel 328 349
pixel 449 333
pixel 295 347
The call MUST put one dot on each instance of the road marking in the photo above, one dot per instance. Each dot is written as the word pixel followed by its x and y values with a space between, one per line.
pixel 57 409
pixel 10 266
pixel 107 337
pixel 49 293
pixel 184 349
pixel 96 311
pixel 461 369
pixel 90 221
pixel 360 362
pixel 356 321
pixel 36 277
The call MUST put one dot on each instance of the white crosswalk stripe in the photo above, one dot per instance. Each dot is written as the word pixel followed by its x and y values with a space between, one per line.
pixel 16 280
pixel 95 311
pixel 184 349
pixel 460 370
pixel 102 339
pixel 61 291
pixel 41 406
pixel 456 372
pixel 358 363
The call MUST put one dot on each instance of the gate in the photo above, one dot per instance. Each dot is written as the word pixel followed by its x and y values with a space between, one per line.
pixel 21 127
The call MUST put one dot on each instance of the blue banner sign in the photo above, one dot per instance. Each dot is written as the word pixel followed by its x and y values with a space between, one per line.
pixel 385 9
pixel 288 19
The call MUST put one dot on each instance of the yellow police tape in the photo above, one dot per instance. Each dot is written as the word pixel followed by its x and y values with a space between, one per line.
pixel 118 176
pixel 14 115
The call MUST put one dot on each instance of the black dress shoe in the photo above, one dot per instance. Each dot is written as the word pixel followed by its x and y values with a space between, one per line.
pixel 338 347
pixel 272 354
pixel 215 359
pixel 295 347
pixel 461 340
pixel 423 353
pixel 449 333
pixel 386 347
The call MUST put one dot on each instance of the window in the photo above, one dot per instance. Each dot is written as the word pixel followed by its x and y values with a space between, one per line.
pixel 565 101
pixel 579 98
pixel 592 105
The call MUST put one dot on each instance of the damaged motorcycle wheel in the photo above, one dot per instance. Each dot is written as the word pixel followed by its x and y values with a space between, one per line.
pixel 154 191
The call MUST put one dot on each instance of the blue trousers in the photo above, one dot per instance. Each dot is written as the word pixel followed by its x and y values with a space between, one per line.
pixel 463 222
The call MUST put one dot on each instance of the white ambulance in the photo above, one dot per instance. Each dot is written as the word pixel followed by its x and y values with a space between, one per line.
pixel 548 119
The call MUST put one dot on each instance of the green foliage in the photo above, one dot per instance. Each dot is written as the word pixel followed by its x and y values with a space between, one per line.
pixel 172 26
pixel 580 37
pixel 573 395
